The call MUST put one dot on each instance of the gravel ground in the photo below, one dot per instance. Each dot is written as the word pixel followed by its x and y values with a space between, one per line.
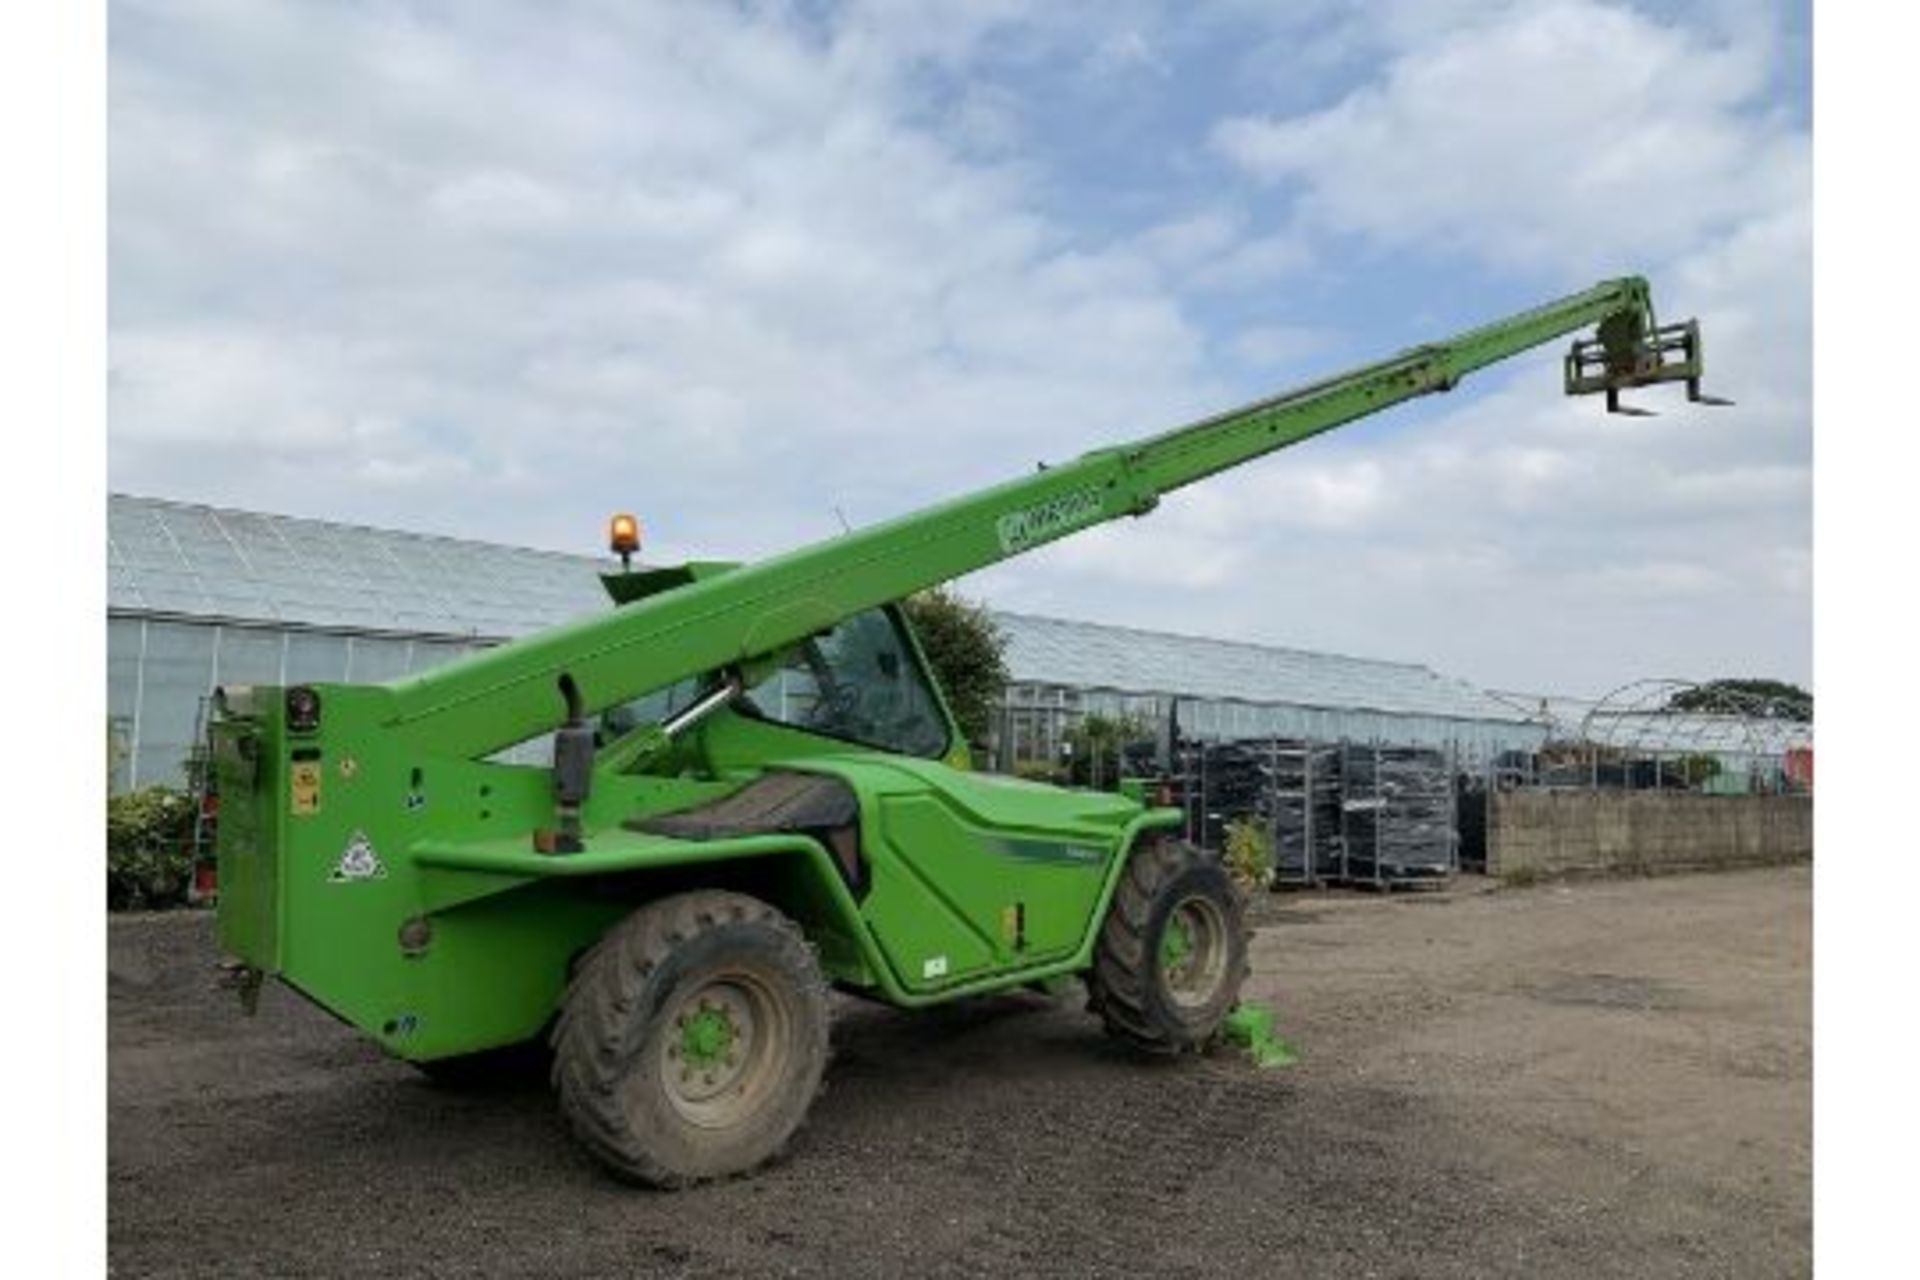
pixel 1603 1079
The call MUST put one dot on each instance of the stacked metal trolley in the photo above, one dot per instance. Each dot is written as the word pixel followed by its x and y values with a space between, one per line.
pixel 1400 824
pixel 1336 813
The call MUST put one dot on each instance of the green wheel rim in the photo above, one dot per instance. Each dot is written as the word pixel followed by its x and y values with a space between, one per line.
pixel 727 1046
pixel 707 1038
pixel 1176 944
pixel 1193 952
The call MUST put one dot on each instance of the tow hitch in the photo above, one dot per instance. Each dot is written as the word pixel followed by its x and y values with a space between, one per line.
pixel 244 981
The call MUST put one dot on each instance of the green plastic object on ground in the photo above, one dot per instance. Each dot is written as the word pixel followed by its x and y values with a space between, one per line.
pixel 757 795
pixel 1251 1027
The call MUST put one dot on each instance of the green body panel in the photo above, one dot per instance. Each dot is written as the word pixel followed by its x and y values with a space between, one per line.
pixel 381 866
pixel 973 875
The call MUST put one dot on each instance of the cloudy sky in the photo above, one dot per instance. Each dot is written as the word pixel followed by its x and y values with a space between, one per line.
pixel 494 270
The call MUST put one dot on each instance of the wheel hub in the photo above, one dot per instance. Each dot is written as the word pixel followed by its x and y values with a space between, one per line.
pixel 706 1039
pixel 1176 944
pixel 720 1051
pixel 1193 952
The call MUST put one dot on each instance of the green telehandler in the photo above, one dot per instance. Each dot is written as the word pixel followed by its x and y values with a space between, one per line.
pixel 756 795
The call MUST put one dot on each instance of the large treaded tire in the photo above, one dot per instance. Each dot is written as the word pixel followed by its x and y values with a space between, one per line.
pixel 618 1052
pixel 1129 986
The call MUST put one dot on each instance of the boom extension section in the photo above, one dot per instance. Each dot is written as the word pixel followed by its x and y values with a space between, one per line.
pixel 745 615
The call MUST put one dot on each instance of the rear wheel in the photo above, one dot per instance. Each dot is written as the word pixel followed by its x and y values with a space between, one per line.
pixel 693 1040
pixel 1172 952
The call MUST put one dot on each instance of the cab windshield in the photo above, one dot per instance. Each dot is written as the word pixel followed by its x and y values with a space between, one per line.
pixel 859 682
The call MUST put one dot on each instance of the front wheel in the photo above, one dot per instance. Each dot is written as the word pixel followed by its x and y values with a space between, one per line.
pixel 692 1040
pixel 1173 951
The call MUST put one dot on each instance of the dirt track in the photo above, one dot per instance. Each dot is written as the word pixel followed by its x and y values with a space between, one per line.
pixel 1597 1080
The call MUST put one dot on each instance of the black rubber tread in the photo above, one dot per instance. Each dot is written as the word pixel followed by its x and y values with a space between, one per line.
pixel 611 1019
pixel 1124 986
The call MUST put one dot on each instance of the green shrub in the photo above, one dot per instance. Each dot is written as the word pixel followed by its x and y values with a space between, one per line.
pixel 1699 769
pixel 149 848
pixel 1249 854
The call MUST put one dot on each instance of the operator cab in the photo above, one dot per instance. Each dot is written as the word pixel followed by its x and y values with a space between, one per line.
pixel 862 683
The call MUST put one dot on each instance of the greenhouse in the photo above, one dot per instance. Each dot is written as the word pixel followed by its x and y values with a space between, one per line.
pixel 198 597
pixel 1222 690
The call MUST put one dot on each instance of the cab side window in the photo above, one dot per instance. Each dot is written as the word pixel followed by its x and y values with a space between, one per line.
pixel 859 682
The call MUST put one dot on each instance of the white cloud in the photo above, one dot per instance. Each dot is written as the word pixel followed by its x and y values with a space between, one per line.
pixel 1569 134
pixel 503 200
pixel 601 247
pixel 1125 51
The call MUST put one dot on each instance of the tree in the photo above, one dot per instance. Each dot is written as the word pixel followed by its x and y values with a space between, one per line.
pixel 968 654
pixel 1748 696
pixel 1095 740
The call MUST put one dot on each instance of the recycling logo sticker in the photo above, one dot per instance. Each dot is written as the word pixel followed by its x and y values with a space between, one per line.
pixel 358 861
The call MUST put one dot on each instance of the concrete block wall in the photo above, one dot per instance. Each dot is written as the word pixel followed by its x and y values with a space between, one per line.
pixel 1565 832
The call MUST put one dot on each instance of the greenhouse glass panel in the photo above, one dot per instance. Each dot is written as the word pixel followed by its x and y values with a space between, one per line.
pixel 321 601
pixel 217 560
pixel 122 591
pixel 249 655
pixel 232 599
pixel 416 556
pixel 123 694
pixel 176 675
pixel 315 656
pixel 377 660
pixel 123 666
pixel 190 525
pixel 274 567
pixel 142 543
pixel 433 653
pixel 410 619
pixel 358 614
pixel 169 591
pixel 158 764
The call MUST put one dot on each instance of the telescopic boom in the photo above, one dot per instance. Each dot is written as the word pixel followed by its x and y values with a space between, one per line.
pixel 707 623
